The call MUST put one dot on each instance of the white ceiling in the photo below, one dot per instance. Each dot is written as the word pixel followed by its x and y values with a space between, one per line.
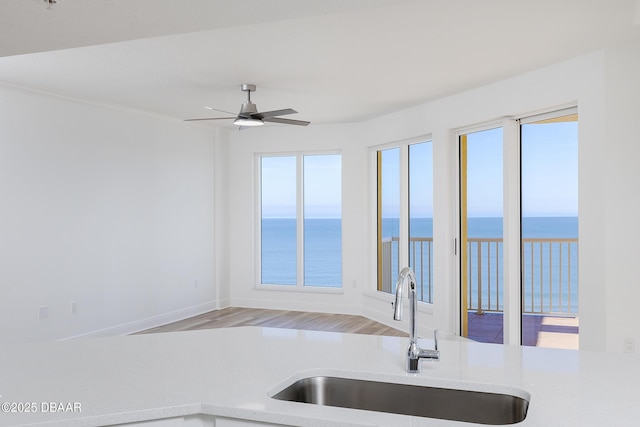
pixel 332 60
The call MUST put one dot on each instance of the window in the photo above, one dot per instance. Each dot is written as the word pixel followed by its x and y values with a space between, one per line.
pixel 278 224
pixel 405 216
pixel 549 182
pixel 300 220
pixel 388 218
pixel 421 218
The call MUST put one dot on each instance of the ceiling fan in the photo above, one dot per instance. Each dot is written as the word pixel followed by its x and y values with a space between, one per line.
pixel 249 115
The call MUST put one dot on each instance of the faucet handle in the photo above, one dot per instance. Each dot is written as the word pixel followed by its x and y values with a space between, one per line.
pixel 435 339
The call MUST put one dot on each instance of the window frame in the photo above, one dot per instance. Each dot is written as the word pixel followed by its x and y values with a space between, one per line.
pixel 403 246
pixel 299 286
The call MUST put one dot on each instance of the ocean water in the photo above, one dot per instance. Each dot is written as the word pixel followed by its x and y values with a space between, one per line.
pixel 542 227
pixel 322 252
pixel 549 284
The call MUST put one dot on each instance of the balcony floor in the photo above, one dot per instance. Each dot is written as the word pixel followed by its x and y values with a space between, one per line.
pixel 537 330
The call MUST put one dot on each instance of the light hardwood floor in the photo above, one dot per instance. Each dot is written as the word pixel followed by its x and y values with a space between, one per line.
pixel 235 316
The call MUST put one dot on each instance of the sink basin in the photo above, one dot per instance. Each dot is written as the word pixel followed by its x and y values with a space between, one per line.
pixel 421 401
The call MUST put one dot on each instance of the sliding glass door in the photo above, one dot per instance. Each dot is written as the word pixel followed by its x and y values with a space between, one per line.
pixel 549 171
pixel 519 232
pixel 481 214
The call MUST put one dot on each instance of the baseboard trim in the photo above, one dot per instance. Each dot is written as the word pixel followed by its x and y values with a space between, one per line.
pixel 223 303
pixel 148 323
pixel 296 306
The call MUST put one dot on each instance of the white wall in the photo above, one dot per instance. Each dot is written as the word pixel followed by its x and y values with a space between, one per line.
pixel 604 85
pixel 222 297
pixel 112 210
pixel 620 173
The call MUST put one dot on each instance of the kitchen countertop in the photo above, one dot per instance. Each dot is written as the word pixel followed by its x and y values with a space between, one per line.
pixel 231 373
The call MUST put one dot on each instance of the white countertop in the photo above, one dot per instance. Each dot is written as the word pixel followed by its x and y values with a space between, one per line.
pixel 230 372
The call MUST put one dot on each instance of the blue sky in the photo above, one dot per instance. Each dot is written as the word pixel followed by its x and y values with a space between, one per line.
pixel 322 186
pixel 279 187
pixel 484 173
pixel 549 171
pixel 420 181
pixel 549 177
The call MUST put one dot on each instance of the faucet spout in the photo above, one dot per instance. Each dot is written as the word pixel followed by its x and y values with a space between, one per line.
pixel 414 352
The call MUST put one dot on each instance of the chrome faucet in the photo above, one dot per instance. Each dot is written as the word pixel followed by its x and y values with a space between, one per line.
pixel 414 353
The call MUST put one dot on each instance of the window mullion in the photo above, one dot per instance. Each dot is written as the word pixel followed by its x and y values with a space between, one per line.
pixel 511 233
pixel 403 244
pixel 300 219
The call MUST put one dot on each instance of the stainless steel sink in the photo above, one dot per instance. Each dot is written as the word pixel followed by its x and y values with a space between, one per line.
pixel 421 401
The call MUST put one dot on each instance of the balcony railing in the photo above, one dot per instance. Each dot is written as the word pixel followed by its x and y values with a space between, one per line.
pixel 550 276
pixel 421 260
pixel 484 278
pixel 549 273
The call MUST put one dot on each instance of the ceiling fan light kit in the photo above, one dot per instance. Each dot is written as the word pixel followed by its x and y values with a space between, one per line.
pixel 247 122
pixel 249 115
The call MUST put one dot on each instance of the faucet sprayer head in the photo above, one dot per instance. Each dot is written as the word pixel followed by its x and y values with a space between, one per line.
pixel 397 305
pixel 405 274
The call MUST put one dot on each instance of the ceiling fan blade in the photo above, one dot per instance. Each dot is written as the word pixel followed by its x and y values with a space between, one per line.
pixel 262 115
pixel 209 118
pixel 286 121
pixel 215 109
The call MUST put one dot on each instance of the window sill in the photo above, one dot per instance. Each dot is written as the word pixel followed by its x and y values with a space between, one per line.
pixel 303 289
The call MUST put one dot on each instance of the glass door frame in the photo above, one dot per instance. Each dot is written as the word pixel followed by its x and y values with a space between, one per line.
pixel 511 228
pixel 512 217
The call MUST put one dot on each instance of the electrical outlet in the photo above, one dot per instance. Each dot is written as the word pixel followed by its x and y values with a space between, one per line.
pixel 628 345
pixel 74 307
pixel 195 284
pixel 43 312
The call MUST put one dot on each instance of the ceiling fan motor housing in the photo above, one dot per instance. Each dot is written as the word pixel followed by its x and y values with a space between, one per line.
pixel 248 108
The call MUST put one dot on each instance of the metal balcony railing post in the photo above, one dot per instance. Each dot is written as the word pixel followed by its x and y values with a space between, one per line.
pixel 479 262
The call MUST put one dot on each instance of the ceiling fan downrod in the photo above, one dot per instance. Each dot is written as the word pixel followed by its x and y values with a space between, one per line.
pixel 247 87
